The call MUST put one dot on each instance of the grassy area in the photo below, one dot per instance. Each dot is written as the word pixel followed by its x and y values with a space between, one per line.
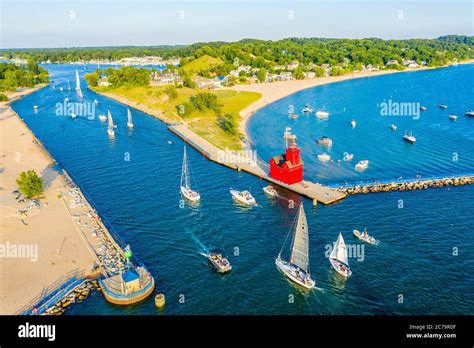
pixel 202 63
pixel 205 123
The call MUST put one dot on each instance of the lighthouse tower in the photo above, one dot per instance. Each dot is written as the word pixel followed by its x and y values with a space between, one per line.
pixel 288 167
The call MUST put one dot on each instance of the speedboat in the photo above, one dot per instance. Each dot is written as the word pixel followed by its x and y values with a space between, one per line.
pixel 453 117
pixel 243 197
pixel 307 109
pixel 102 117
pixel 364 236
pixel 361 165
pixel 394 127
pixel 470 113
pixel 423 108
pixel 220 263
pixel 442 106
pixel 325 141
pixel 322 114
pixel 409 137
pixel 353 123
pixel 270 190
pixel 348 156
pixel 338 258
pixel 324 157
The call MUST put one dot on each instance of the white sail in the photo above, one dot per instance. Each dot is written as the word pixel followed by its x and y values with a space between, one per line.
pixel 78 85
pixel 299 251
pixel 111 121
pixel 130 122
pixel 339 252
pixel 184 171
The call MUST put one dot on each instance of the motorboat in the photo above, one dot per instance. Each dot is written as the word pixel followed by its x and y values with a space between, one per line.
pixel 409 137
pixel 270 191
pixel 35 107
pixel 423 108
pixel 362 165
pixel 338 258
pixel 393 127
pixel 364 236
pixel 96 101
pixel 353 123
pixel 453 117
pixel 293 116
pixel 102 118
pixel 307 109
pixel 324 157
pixel 443 107
pixel 73 115
pixel 322 115
pixel 324 141
pixel 348 156
pixel 470 113
pixel 243 197
pixel 220 263
pixel 297 268
pixel 185 187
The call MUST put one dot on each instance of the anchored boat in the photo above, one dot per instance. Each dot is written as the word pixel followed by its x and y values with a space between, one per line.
pixel 338 258
pixel 186 191
pixel 297 268
pixel 243 197
pixel 220 263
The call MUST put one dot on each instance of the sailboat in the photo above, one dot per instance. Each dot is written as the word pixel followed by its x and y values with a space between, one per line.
pixel 297 269
pixel 110 128
pixel 68 85
pixel 78 85
pixel 186 191
pixel 338 258
pixel 130 122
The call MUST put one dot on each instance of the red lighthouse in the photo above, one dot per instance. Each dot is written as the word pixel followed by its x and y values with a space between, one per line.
pixel 288 167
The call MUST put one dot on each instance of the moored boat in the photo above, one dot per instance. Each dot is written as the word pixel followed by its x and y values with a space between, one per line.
pixel 338 258
pixel 220 263
pixel 364 236
pixel 324 157
pixel 270 191
pixel 297 268
pixel 324 141
pixel 243 197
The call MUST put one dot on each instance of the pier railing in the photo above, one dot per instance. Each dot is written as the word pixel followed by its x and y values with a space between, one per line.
pixel 399 180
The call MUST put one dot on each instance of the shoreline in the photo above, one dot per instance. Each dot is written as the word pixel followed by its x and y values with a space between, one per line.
pixel 274 91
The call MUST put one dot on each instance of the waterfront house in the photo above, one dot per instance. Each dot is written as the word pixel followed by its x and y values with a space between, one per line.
pixel 103 81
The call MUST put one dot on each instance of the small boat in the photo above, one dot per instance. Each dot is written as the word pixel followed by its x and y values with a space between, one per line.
pixel 243 197
pixel 96 101
pixel 293 116
pixel 78 85
pixel 270 191
pixel 453 117
pixel 338 258
pixel 110 128
pixel 129 122
pixel 362 165
pixel 322 115
pixel 185 187
pixel 68 85
pixel 393 127
pixel 353 123
pixel 221 263
pixel 409 137
pixel 469 113
pixel 102 117
pixel 307 109
pixel 348 156
pixel 324 157
pixel 324 141
pixel 442 106
pixel 73 115
pixel 35 107
pixel 364 236
pixel 66 99
pixel 423 108
pixel 61 89
pixel 297 268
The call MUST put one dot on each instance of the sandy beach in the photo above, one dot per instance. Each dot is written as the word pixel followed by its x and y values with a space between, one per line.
pixel 273 91
pixel 43 244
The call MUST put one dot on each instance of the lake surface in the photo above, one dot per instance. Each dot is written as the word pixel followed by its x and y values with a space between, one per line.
pixel 140 198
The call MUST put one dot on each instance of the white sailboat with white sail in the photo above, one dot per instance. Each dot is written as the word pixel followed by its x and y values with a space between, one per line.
pixel 129 122
pixel 338 258
pixel 110 128
pixel 186 191
pixel 78 85
pixel 297 268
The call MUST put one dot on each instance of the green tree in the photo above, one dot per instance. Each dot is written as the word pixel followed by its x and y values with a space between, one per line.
pixel 92 79
pixel 30 184
pixel 298 73
pixel 171 92
pixel 262 74
pixel 229 123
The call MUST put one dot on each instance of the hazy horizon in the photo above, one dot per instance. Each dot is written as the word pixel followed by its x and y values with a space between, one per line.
pixel 107 23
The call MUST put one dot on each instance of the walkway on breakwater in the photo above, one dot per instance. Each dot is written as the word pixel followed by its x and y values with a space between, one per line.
pixel 241 161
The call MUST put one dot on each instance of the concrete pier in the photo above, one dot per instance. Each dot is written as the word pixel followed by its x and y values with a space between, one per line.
pixel 308 189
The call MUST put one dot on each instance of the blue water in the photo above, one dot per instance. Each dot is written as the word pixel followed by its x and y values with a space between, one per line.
pixel 141 200
pixel 442 147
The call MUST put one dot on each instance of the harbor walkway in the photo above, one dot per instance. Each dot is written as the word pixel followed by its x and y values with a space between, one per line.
pixel 241 161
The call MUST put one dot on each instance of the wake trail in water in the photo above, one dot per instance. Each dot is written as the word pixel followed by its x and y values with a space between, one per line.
pixel 203 249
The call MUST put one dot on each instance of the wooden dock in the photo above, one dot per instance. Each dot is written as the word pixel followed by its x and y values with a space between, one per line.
pixel 311 190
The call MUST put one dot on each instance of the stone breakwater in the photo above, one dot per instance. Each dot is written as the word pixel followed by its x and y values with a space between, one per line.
pixel 407 186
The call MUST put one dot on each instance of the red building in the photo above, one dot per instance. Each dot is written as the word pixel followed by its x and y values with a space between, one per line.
pixel 288 167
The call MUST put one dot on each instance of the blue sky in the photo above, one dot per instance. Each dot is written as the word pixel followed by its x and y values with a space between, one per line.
pixel 73 23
